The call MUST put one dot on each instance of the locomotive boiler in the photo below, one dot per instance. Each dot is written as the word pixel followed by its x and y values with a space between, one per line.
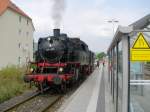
pixel 60 61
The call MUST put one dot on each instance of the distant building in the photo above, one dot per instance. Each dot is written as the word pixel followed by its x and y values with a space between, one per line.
pixel 16 35
pixel 35 48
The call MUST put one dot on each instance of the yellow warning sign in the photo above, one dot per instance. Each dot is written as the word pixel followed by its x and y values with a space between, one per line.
pixel 141 42
pixel 140 55
pixel 140 50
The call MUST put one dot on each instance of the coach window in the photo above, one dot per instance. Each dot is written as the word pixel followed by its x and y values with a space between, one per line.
pixel 139 81
pixel 120 76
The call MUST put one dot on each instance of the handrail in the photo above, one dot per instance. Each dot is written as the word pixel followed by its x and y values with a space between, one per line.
pixel 139 82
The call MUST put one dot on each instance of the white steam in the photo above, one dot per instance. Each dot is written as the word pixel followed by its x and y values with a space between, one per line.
pixel 58 9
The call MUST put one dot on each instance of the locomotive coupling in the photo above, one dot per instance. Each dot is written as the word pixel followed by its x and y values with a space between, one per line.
pixel 57 80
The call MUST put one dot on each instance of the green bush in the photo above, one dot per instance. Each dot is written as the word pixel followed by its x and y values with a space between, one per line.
pixel 11 82
pixel 100 56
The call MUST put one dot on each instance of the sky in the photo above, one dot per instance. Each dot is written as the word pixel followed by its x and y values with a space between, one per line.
pixel 86 19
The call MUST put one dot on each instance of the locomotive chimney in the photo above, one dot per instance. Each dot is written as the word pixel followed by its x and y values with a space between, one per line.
pixel 56 32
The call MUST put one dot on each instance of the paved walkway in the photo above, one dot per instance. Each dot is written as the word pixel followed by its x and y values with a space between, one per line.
pixel 89 97
pixel 108 99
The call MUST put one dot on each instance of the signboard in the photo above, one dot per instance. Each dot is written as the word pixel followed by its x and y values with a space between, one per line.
pixel 140 50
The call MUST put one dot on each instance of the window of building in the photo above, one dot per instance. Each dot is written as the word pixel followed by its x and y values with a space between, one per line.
pixel 27 34
pixel 27 46
pixel 20 19
pixel 27 22
pixel 27 59
pixel 19 60
pixel 19 45
pixel 19 32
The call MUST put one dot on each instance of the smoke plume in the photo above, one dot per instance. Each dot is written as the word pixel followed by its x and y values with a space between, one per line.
pixel 58 9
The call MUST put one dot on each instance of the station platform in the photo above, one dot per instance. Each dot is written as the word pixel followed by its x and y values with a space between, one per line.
pixel 90 96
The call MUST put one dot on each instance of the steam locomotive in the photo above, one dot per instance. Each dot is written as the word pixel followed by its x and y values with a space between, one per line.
pixel 59 61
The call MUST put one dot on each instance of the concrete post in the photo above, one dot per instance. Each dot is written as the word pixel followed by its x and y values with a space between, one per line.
pixel 125 45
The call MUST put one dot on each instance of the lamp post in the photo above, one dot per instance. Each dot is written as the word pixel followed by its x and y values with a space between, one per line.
pixel 113 22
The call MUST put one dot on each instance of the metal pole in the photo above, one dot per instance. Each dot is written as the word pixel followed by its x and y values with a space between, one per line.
pixel 113 21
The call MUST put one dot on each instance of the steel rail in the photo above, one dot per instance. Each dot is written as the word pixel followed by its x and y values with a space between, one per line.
pixel 14 102
pixel 8 105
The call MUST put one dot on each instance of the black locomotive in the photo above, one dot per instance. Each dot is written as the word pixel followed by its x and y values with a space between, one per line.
pixel 60 60
pixel 61 48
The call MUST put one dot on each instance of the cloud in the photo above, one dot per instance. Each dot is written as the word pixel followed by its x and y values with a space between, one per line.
pixel 87 21
pixel 40 12
pixel 92 26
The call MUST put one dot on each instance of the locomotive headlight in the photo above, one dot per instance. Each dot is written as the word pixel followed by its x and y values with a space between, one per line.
pixel 31 69
pixel 50 45
pixel 48 39
pixel 61 69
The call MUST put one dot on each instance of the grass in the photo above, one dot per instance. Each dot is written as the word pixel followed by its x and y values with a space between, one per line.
pixel 11 82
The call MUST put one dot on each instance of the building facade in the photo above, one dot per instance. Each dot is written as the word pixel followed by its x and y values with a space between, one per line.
pixel 16 35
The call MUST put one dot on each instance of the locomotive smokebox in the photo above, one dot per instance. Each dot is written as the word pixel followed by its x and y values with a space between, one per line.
pixel 56 32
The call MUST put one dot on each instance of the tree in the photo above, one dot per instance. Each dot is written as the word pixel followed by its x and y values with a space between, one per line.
pixel 99 56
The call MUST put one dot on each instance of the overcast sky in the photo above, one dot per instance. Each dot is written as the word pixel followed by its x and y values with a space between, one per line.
pixel 86 19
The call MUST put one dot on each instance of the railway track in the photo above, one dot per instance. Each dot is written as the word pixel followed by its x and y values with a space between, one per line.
pixel 36 102
pixel 39 103
pixel 8 105
pixel 30 102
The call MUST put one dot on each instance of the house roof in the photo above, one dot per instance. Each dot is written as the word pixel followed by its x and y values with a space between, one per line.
pixel 5 4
